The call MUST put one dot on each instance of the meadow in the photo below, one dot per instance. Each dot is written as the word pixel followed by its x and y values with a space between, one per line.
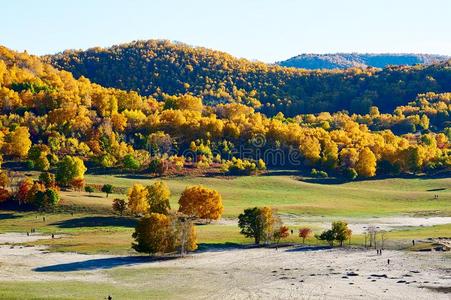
pixel 87 224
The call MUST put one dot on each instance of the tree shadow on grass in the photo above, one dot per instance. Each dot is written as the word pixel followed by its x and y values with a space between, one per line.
pixel 218 247
pixel 308 248
pixel 288 172
pixel 102 263
pixel 8 216
pixel 98 221
pixel 436 190
pixel 328 180
pixel 134 176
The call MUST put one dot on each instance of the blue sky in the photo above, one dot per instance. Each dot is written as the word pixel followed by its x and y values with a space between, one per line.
pixel 266 30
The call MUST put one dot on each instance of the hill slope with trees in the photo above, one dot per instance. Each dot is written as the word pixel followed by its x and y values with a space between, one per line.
pixel 350 60
pixel 54 122
pixel 156 67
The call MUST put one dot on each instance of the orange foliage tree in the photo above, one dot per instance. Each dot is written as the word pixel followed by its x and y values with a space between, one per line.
pixel 200 202
pixel 154 234
pixel 304 233
pixel 281 233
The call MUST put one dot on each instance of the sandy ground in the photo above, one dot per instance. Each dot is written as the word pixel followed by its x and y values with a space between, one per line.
pixel 259 273
pixel 17 238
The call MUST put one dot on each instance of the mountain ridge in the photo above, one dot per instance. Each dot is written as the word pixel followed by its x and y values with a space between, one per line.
pixel 158 67
pixel 343 60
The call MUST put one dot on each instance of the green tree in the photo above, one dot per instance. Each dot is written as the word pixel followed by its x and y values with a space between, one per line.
pixel 68 169
pixel 259 223
pixel 341 231
pixel 131 163
pixel 327 235
pixel 107 189
pixel 46 200
pixel 89 189
pixel 42 164
pixel 251 224
pixel 351 173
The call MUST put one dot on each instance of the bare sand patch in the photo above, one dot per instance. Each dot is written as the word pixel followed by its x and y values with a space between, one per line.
pixel 18 238
pixel 257 273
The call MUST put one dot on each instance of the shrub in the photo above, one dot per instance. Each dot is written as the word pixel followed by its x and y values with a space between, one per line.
pixel 119 206
pixel 89 189
pixel 319 174
pixel 351 173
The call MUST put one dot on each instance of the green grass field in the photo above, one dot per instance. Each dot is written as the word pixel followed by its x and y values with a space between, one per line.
pixel 291 195
pixel 77 290
pixel 92 228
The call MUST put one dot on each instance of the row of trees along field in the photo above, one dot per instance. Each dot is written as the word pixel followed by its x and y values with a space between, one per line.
pixel 48 115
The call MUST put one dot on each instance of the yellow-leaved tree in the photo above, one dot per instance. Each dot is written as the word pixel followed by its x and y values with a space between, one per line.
pixel 158 197
pixel 200 202
pixel 19 142
pixel 186 235
pixel 137 199
pixel 366 165
pixel 154 233
pixel 310 149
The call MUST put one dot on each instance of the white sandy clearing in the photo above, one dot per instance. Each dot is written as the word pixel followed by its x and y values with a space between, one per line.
pixel 320 274
pixel 17 261
pixel 17 238
pixel 288 273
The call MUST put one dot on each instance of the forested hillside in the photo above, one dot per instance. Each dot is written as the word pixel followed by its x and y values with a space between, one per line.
pixel 157 67
pixel 349 60
pixel 48 116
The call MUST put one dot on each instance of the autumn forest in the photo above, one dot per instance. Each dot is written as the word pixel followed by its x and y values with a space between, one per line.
pixel 161 107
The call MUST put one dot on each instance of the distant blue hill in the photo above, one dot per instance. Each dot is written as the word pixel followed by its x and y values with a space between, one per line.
pixel 348 60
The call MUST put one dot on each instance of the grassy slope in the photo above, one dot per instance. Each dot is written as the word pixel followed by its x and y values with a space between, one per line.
pixel 77 290
pixel 290 195
pixel 93 229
